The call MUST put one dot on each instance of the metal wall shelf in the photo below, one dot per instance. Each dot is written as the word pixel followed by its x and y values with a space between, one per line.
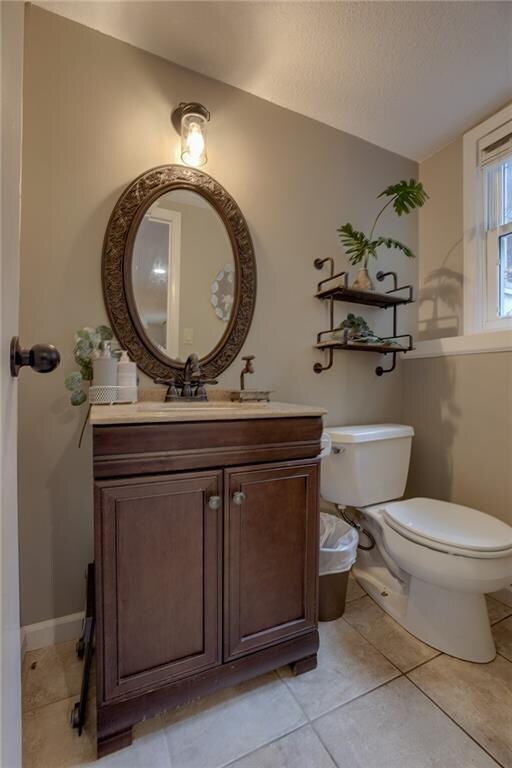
pixel 355 347
pixel 397 296
pixel 381 300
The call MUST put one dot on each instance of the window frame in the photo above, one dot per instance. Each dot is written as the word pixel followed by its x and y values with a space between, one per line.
pixel 480 244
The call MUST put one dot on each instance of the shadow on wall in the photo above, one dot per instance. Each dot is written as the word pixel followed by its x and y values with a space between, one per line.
pixel 429 407
pixel 440 301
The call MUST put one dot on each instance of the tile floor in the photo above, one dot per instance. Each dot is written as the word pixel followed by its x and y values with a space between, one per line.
pixel 379 699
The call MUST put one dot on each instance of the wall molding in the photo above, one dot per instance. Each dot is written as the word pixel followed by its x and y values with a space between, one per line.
pixel 472 344
pixel 50 632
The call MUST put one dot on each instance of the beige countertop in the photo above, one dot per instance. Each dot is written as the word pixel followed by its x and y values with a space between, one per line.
pixel 152 412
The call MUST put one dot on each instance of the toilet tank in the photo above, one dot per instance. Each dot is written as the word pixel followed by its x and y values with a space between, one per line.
pixel 367 465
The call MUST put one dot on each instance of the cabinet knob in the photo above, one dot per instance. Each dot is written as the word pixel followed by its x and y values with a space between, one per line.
pixel 214 502
pixel 238 497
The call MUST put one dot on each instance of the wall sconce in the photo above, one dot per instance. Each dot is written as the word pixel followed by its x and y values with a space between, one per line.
pixel 190 120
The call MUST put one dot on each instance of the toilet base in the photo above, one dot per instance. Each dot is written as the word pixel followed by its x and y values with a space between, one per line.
pixel 456 623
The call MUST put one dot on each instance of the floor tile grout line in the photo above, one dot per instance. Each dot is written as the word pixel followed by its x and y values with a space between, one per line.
pixel 295 698
pixel 399 672
pixel 353 599
pixel 403 672
pixel 266 744
pixel 275 672
pixel 162 732
pixel 498 653
pixel 426 661
pixel 340 706
pixel 375 648
pixel 469 735
pixel 359 696
pixel 500 621
pixel 48 704
pixel 325 746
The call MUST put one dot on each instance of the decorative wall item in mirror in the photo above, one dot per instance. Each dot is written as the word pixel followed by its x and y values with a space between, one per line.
pixel 172 230
pixel 222 292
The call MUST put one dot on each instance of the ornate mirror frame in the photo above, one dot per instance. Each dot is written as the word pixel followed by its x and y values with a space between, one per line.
pixel 117 273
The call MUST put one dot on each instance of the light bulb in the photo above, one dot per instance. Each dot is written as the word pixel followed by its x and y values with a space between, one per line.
pixel 193 143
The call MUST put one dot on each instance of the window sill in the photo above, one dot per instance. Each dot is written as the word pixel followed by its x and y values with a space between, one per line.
pixel 473 344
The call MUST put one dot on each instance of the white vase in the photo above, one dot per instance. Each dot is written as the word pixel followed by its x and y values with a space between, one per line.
pixel 363 281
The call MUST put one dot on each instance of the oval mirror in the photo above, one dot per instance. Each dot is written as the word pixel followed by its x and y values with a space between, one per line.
pixel 183 275
pixel 179 274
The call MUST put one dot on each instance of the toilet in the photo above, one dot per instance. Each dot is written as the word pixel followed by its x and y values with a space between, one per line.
pixel 427 563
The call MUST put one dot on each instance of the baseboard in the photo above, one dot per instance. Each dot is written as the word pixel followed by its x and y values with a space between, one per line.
pixel 51 632
pixel 504 595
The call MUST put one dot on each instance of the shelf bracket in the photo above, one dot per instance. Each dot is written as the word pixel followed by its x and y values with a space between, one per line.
pixel 318 367
pixel 380 371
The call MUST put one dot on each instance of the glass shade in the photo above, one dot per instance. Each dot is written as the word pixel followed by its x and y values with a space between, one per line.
pixel 193 139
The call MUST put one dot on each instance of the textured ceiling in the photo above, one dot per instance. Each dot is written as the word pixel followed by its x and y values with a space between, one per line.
pixel 408 76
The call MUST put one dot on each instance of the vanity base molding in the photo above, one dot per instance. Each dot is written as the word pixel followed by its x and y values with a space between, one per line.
pixel 206 561
pixel 115 720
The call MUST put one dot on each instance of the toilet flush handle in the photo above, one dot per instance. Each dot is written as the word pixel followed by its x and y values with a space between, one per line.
pixel 337 449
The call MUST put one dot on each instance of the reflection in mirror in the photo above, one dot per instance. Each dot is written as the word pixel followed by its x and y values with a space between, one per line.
pixel 183 274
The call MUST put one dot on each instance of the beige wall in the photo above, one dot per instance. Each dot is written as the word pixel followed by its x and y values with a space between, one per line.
pixel 441 254
pixel 461 410
pixel 97 115
pixel 460 406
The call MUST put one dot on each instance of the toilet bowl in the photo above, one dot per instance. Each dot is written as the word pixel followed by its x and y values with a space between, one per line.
pixel 432 561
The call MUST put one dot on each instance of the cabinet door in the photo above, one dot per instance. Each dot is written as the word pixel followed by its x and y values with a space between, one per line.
pixel 271 554
pixel 159 545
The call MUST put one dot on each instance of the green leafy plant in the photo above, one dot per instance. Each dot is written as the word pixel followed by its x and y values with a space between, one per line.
pixel 356 326
pixel 404 196
pixel 87 342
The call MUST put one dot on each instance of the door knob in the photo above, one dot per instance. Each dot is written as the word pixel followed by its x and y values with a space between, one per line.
pixel 42 358
pixel 238 497
pixel 214 502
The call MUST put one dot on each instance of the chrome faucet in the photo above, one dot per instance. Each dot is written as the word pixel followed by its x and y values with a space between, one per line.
pixel 189 386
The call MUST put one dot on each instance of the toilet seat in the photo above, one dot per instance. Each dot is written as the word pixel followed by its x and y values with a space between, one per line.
pixel 449 528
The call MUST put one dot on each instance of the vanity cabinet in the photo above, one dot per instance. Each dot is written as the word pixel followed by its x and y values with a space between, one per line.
pixel 206 560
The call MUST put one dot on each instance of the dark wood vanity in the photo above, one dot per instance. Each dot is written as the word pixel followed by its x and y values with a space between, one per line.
pixel 206 515
pixel 206 546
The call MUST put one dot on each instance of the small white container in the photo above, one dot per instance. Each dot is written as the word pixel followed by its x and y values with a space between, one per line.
pixel 126 380
pixel 104 367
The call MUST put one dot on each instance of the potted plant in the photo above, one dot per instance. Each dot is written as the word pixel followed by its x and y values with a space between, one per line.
pixel 404 196
pixel 87 344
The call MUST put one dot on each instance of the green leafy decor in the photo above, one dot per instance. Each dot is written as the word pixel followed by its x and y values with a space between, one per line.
pixel 355 329
pixel 87 342
pixel 404 197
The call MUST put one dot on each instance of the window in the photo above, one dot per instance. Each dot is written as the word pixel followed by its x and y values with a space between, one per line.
pixel 488 225
pixel 496 162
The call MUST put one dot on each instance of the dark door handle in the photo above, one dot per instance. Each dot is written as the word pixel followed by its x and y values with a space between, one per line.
pixel 42 358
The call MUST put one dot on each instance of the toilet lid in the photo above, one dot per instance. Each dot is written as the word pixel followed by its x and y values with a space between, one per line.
pixel 449 524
